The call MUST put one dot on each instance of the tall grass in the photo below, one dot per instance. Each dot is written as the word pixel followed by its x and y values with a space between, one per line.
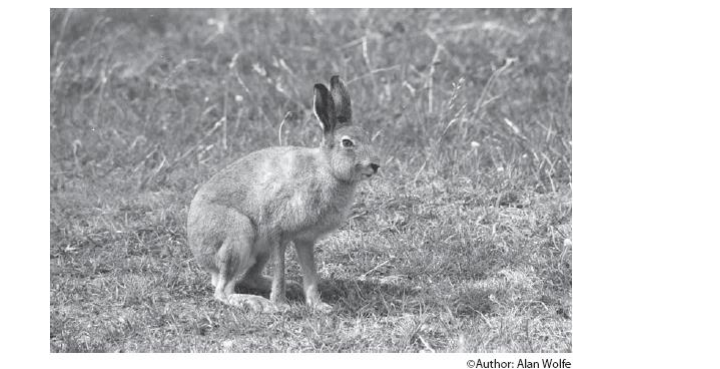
pixel 143 94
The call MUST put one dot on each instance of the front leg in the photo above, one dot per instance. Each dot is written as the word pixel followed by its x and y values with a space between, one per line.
pixel 277 291
pixel 310 278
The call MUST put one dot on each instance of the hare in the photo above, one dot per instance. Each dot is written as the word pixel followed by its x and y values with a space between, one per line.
pixel 251 210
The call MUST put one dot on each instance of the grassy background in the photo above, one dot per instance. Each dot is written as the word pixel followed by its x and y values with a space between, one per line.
pixel 462 244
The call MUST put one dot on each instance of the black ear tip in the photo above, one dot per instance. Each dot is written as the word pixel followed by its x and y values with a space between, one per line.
pixel 334 80
pixel 322 91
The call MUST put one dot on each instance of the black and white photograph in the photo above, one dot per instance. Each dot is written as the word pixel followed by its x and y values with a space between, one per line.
pixel 312 180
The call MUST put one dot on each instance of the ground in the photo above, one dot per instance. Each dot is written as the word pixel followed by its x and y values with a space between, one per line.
pixel 463 243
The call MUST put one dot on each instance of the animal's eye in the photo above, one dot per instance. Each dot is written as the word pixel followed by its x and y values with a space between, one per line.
pixel 347 143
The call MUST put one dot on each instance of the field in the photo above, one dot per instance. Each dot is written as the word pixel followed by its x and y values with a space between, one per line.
pixel 461 244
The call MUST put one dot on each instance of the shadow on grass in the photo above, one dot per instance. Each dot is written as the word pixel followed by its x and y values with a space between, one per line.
pixel 354 296
pixel 371 297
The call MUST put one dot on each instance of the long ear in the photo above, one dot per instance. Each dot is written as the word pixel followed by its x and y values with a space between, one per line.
pixel 341 97
pixel 324 108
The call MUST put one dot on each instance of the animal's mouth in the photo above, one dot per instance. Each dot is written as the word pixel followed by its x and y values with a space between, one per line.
pixel 367 170
pixel 370 170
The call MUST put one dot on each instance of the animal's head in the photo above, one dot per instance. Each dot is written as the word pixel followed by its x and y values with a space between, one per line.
pixel 347 146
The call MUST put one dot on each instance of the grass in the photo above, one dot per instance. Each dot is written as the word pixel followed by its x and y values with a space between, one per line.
pixel 462 244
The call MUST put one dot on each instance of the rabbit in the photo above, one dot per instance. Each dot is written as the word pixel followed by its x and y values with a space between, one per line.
pixel 252 209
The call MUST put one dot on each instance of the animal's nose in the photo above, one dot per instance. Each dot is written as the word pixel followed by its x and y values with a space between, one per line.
pixel 374 167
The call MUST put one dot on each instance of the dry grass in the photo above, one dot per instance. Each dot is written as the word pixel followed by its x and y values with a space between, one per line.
pixel 461 245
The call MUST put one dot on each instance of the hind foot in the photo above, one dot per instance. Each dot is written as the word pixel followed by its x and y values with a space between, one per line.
pixel 322 307
pixel 255 303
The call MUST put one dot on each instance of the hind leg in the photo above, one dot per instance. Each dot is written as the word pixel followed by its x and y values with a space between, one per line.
pixel 224 292
pixel 277 285
pixel 233 260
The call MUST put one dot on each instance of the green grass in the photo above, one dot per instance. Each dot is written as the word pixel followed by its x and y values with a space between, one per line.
pixel 462 244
